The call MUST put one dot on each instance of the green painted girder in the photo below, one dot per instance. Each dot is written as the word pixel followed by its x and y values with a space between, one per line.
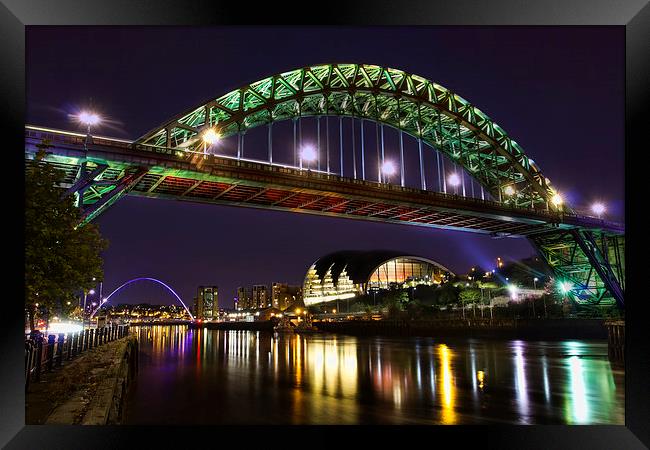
pixel 567 257
pixel 408 102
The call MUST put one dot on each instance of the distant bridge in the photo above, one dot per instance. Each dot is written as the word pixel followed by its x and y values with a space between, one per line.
pixel 489 186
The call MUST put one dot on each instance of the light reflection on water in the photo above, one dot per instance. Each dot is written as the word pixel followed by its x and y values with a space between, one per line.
pixel 240 377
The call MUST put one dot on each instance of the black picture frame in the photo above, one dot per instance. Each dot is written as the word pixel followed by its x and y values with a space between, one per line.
pixel 634 15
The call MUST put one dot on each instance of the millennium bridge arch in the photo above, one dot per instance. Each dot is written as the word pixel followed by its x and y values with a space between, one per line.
pixel 105 301
pixel 170 161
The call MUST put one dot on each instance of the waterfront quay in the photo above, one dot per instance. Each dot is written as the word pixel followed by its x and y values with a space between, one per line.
pixel 82 378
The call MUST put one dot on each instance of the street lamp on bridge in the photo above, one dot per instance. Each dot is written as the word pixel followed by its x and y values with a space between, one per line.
pixel 89 119
pixel 388 169
pixel 454 180
pixel 210 136
pixel 308 154
pixel 598 208
pixel 557 200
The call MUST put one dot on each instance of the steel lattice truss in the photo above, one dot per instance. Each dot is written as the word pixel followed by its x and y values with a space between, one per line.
pixel 593 262
pixel 410 103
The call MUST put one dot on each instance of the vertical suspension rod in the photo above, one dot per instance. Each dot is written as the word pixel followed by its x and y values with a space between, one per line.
pixel 363 159
pixel 341 142
pixel 295 146
pixel 270 142
pixel 401 158
pixel 354 151
pixel 327 141
pixel 318 142
pixel 378 154
pixel 300 141
pixel 422 179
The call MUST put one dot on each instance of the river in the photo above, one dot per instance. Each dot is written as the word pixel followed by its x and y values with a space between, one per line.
pixel 214 377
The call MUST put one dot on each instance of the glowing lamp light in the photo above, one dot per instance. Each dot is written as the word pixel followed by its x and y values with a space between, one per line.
pixel 388 168
pixel 598 208
pixel 91 292
pixel 88 118
pixel 557 199
pixel 454 179
pixel 513 291
pixel 509 190
pixel 63 327
pixel 210 136
pixel 565 286
pixel 308 153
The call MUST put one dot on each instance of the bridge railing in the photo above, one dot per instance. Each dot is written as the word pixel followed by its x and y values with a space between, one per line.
pixel 71 138
pixel 79 139
pixel 43 355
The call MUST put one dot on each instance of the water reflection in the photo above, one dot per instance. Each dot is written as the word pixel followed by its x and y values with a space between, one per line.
pixel 239 377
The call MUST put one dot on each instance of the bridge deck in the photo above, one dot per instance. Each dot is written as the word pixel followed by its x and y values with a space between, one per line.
pixel 228 181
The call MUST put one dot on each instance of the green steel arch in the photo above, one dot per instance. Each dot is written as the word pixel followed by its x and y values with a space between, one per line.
pixel 407 102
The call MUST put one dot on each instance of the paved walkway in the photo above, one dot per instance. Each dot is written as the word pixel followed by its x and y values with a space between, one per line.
pixel 65 395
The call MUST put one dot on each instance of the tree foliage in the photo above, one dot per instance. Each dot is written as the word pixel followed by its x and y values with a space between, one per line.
pixel 61 259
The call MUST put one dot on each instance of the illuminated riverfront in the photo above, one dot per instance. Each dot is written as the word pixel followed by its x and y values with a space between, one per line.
pixel 259 378
pixel 355 237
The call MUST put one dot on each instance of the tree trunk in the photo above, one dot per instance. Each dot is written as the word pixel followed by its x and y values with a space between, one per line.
pixel 46 317
pixel 31 311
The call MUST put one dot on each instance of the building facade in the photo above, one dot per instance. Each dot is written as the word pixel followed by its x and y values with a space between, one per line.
pixel 348 274
pixel 207 302
pixel 243 298
pixel 260 297
pixel 283 295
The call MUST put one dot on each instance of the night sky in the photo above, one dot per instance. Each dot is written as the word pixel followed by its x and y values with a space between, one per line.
pixel 559 92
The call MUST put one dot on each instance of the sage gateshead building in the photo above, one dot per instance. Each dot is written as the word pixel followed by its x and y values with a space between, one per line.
pixel 347 274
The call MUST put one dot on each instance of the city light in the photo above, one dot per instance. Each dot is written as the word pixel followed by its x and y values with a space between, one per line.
pixel 308 153
pixel 210 136
pixel 513 291
pixel 454 179
pixel 557 199
pixel 388 168
pixel 88 118
pixel 63 327
pixel 598 209
pixel 509 190
pixel 565 286
pixel 91 292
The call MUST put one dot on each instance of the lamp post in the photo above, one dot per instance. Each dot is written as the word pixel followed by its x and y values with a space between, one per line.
pixel 210 136
pixel 598 208
pixel 83 315
pixel 89 119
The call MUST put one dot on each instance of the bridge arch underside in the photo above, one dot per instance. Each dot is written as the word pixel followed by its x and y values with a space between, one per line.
pixel 585 253
pixel 409 103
